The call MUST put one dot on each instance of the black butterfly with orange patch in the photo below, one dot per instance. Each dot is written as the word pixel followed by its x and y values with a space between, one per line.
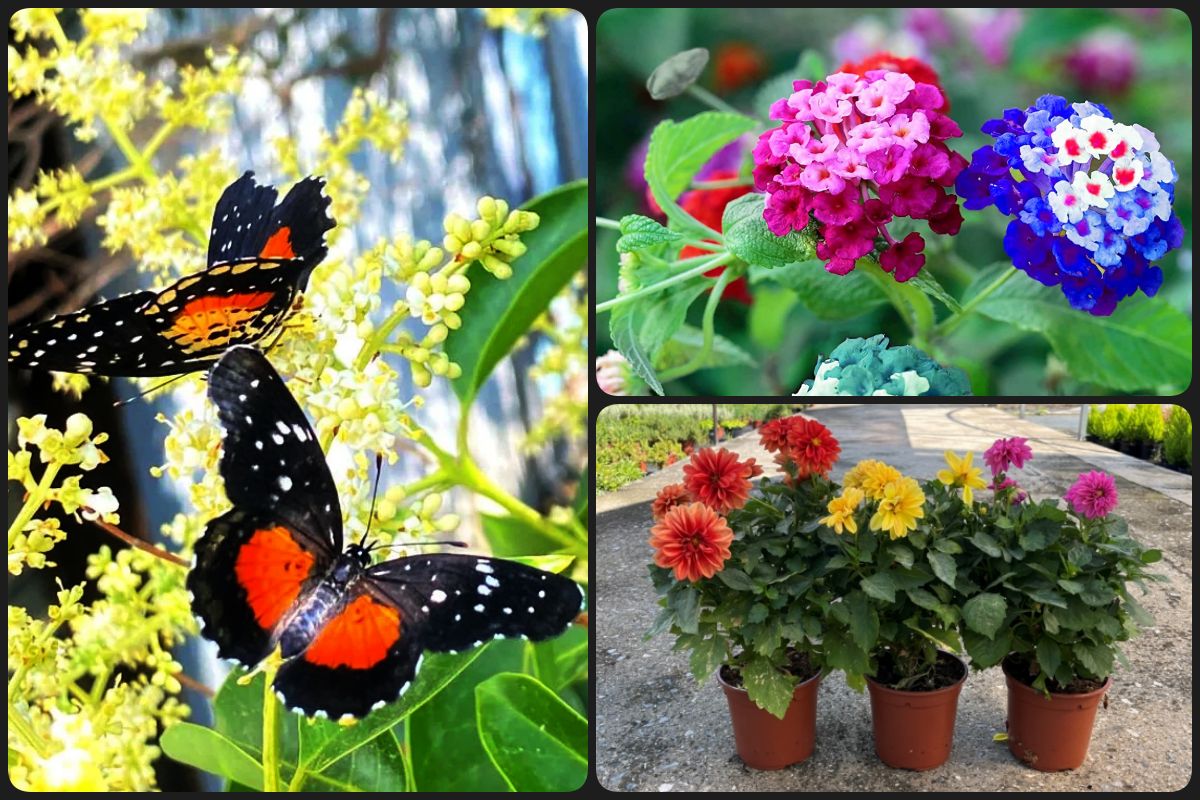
pixel 259 257
pixel 273 572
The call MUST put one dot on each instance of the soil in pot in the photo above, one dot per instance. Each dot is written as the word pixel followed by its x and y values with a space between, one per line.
pixel 914 727
pixel 1050 733
pixel 764 741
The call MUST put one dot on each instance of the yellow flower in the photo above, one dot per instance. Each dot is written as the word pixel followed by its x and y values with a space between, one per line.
pixel 841 511
pixel 900 506
pixel 961 473
pixel 871 476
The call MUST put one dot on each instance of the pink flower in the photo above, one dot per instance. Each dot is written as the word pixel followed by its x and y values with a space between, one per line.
pixel 910 197
pixel 929 161
pixel 1094 495
pixel 1019 496
pixel 819 177
pixel 890 164
pixel 844 85
pixel 612 373
pixel 874 101
pixel 814 149
pixel 1007 452
pixel 782 138
pixel 904 259
pixel 910 132
pixel 829 108
pixel 869 136
pixel 786 211
pixel 837 209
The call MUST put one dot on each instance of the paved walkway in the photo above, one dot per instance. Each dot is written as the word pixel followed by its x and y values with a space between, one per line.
pixel 658 731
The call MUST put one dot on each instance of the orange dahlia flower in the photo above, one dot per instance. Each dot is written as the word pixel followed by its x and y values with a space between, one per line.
pixel 692 540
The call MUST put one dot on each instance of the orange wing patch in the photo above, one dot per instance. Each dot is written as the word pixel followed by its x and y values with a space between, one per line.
pixel 208 322
pixel 271 567
pixel 359 637
pixel 279 245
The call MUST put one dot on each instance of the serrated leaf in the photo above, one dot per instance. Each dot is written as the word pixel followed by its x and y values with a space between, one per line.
pixel 1095 658
pixel 689 340
pixel 748 237
pixel 673 76
pixel 928 284
pixel 1145 345
pixel 944 567
pixel 924 598
pixel 639 329
pixel 864 621
pixel 707 655
pixel 880 585
pixel 736 579
pixel 768 688
pixel 685 601
pixel 987 652
pixel 984 613
pixel 638 233
pixel 678 150
pixel 902 554
pixel 1049 655
pixel 828 296
pixel 986 544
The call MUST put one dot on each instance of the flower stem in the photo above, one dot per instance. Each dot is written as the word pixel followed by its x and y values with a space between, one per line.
pixel 953 322
pixel 605 222
pixel 713 263
pixel 35 499
pixel 710 99
pixel 474 479
pixel 270 740
pixel 710 310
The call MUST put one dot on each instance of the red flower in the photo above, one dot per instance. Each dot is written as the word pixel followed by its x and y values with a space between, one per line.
pixel 708 206
pixel 773 435
pixel 668 498
pixel 717 479
pixel 914 68
pixel 692 540
pixel 737 64
pixel 811 447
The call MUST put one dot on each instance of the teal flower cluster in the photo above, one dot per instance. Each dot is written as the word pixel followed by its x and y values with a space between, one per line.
pixel 867 367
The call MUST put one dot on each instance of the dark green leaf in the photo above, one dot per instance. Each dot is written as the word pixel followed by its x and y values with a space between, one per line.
pixel 638 233
pixel 880 585
pixel 944 567
pixel 864 621
pixel 902 554
pixel 677 152
pixel 1049 597
pixel 947 546
pixel 985 651
pixel 1097 659
pixel 826 295
pixel 736 579
pixel 986 543
pixel 499 313
pixel 707 656
pixel 688 341
pixel 1049 655
pixel 767 687
pixel 928 284
pixel 685 600
pixel 677 73
pixel 748 237
pixel 536 741
pixel 984 613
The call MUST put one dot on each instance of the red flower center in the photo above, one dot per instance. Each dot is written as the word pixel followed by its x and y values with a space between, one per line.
pixel 1072 147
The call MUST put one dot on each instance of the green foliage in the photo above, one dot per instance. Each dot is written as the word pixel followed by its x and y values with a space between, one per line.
pixel 1146 425
pixel 1177 439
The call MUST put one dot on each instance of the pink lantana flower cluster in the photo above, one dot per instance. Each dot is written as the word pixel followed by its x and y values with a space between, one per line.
pixel 855 152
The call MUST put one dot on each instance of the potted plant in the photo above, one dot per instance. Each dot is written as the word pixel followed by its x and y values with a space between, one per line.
pixel 899 585
pixel 1062 578
pixel 741 587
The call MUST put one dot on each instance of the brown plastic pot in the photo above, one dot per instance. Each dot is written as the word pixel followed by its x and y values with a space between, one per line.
pixel 1050 733
pixel 762 740
pixel 915 730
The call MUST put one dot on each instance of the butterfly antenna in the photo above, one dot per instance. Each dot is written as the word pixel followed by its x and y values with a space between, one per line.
pixel 154 388
pixel 374 497
pixel 449 543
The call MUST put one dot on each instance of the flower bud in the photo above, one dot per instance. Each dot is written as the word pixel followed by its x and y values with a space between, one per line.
pixel 497 267
pixel 430 505
pixel 447 523
pixel 458 283
pixel 453 302
pixel 452 243
pixel 438 333
pixel 421 376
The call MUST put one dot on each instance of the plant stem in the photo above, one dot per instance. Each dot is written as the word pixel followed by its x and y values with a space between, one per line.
pixel 474 479
pixel 710 310
pixel 35 499
pixel 720 260
pixel 727 183
pixel 953 322
pixel 710 99
pixel 605 222
pixel 270 741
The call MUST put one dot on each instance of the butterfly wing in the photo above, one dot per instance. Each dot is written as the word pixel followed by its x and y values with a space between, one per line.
pixel 272 462
pixel 369 653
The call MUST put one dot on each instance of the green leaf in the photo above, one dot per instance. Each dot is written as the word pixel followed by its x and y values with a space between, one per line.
pixel 1145 345
pixel 986 544
pixel 537 742
pixel 928 284
pixel 864 621
pixel 736 579
pixel 1049 655
pixel 944 567
pixel 677 152
pixel 748 237
pixel 206 749
pixel 984 651
pixel 768 321
pixel 686 603
pixel 509 536
pixel 707 655
pixel 828 296
pixel 1151 556
pixel 912 303
pixel 688 340
pixel 984 613
pixel 902 554
pixel 1097 659
pixel 1049 597
pixel 499 313
pixel 947 546
pixel 880 585
pixel 767 687
pixel 1040 534
pixel 924 598
pixel 677 73
pixel 638 233
pixel 640 329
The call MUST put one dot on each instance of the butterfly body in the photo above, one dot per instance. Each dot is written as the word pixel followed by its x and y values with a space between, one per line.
pixel 260 257
pixel 274 572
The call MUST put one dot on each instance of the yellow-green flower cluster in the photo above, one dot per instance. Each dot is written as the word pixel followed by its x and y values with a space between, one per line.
pixel 523 20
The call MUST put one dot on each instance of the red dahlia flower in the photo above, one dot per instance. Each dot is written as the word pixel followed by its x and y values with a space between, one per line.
pixel 812 447
pixel 668 498
pixel 693 540
pixel 718 479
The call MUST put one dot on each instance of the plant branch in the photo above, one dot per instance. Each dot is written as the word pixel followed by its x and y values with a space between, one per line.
pixel 141 544
pixel 710 309
pixel 710 99
pixel 718 261
pixel 953 322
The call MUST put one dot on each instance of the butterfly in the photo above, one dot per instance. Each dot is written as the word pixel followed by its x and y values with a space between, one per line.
pixel 273 571
pixel 259 257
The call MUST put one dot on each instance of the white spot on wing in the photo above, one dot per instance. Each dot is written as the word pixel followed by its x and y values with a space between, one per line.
pixel 483 590
pixel 479 608
pixel 484 567
pixel 438 596
pixel 285 482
